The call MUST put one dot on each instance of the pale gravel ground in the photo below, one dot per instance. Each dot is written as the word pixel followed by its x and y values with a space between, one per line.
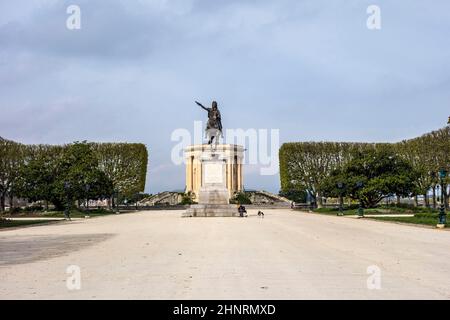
pixel 286 255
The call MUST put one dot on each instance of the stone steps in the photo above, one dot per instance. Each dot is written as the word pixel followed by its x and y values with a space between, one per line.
pixel 212 210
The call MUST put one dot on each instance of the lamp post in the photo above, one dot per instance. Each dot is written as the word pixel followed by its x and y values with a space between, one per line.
pixel 340 186
pixel 359 186
pixel 442 214
pixel 67 209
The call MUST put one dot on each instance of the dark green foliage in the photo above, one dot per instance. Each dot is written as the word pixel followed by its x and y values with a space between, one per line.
pixel 188 198
pixel 305 165
pixel 241 198
pixel 64 174
pixel 77 171
pixel 38 174
pixel 308 165
pixel 298 196
pixel 381 173
pixel 136 197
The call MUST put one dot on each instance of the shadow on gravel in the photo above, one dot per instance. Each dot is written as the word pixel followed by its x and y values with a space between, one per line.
pixel 26 249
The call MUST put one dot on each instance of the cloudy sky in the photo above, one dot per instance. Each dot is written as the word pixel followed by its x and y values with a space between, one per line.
pixel 310 68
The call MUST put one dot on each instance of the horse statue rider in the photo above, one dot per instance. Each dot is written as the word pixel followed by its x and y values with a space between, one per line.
pixel 214 124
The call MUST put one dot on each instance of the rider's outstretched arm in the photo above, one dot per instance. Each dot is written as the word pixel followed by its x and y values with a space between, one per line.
pixel 201 105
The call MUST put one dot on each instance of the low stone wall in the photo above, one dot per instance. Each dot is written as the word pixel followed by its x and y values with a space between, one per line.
pixel 267 206
pixel 156 207
pixel 184 207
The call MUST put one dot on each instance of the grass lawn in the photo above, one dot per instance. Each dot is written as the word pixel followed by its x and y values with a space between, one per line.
pixel 424 216
pixel 6 223
pixel 378 210
pixel 426 219
pixel 347 211
pixel 77 213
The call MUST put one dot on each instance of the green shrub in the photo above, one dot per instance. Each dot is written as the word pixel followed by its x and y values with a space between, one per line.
pixel 298 196
pixel 240 198
pixel 405 208
pixel 188 198
pixel 15 210
pixel 34 208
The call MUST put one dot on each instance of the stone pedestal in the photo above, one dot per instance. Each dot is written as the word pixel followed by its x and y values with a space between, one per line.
pixel 232 155
pixel 213 195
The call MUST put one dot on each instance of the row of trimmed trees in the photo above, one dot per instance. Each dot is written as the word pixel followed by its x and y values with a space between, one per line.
pixel 368 172
pixel 78 171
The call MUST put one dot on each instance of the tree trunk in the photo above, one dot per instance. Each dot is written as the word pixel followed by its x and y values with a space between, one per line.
pixel 398 200
pixel 2 203
pixel 434 197
pixel 427 201
pixel 11 203
pixel 46 205
pixel 416 201
pixel 59 205
pixel 319 200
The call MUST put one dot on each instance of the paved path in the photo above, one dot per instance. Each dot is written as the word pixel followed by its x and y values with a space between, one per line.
pixel 286 255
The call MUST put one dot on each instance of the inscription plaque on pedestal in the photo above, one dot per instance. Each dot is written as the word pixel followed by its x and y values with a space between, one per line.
pixel 213 173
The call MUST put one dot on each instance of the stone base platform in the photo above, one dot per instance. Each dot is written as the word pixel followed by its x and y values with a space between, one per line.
pixel 211 210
